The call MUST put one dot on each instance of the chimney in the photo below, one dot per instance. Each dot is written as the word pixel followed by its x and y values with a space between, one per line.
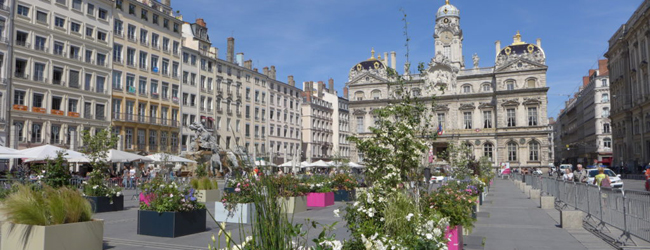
pixel 330 85
pixel 591 72
pixel 497 45
pixel 255 69
pixel 321 86
pixel 291 82
pixel 345 92
pixel 248 64
pixel 231 50
pixel 602 67
pixel 272 72
pixel 386 59
pixel 539 42
pixel 201 22
pixel 240 59
pixel 265 71
pixel 393 60
pixel 585 80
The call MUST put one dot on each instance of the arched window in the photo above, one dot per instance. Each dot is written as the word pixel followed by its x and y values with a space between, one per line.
pixel 606 128
pixel 467 89
pixel 604 98
pixel 486 87
pixel 358 95
pixel 376 94
pixel 510 84
pixel 512 151
pixel 533 147
pixel 607 142
pixel 488 149
pixel 531 82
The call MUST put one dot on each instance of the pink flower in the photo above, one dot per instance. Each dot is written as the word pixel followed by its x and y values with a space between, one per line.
pixel 237 189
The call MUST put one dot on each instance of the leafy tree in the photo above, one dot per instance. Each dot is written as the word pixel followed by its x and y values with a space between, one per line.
pixel 56 171
pixel 96 147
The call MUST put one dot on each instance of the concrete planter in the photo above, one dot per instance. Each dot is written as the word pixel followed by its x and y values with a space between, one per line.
pixel 320 199
pixel 171 224
pixel 455 237
pixel 205 196
pixel 242 213
pixel 344 195
pixel 102 204
pixel 292 205
pixel 87 235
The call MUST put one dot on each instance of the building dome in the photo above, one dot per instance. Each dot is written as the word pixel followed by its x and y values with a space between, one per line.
pixel 448 10
pixel 370 64
pixel 519 47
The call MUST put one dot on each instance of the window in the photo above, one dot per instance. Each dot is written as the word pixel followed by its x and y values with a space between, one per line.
pixel 59 22
pixel 533 147
pixel 117 80
pixel 360 127
pixel 165 44
pixel 488 148
pixel 75 27
pixel 510 85
pixel 39 72
pixel 512 151
pixel 62 2
pixel 154 18
pixel 40 43
pixel 57 75
pixel 604 98
pixel 166 23
pixel 376 94
pixel 143 60
pixel 144 15
pixel 36 133
pixel 118 4
pixel 55 136
pixel 103 14
pixel 605 112
pixel 118 27
pixel 90 9
pixel 155 40
pixel 532 116
pixel 72 105
pixel 486 87
pixel 358 96
pixel 117 53
pixel 143 36
pixel 175 47
pixel 487 119
pixel 89 31
pixel 41 16
pixel 37 100
pixel 22 10
pixel 467 89
pixel 510 115
pixel 607 142
pixel 128 138
pixel 467 120
pixel 76 4
pixel 101 36
pixel 74 52
pixel 130 32
pixel 604 83
pixel 441 120
pixel 19 97
pixel 176 27
pixel 606 128
pixel 531 83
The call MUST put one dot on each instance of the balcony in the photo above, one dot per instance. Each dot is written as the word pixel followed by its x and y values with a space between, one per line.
pixel 119 33
pixel 144 43
pixel 88 115
pixel 23 44
pixel 21 75
pixel 100 117
pixel 175 100
pixel 143 94
pixel 40 47
pixel 155 95
pixel 230 112
pixel 155 46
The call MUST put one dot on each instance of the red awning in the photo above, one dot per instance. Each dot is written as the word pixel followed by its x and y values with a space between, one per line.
pixel 210 118
pixel 606 160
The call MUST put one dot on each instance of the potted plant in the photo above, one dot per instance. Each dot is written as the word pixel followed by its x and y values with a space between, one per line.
pixel 206 190
pixel 291 194
pixel 344 187
pixel 236 206
pixel 50 218
pixel 455 202
pixel 320 192
pixel 104 198
pixel 166 211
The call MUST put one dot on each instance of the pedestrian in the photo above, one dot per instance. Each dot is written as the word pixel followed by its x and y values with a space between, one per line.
pixel 647 177
pixel 125 177
pixel 601 179
pixel 132 177
pixel 569 175
pixel 580 175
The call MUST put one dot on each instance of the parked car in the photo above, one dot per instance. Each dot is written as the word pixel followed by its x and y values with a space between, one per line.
pixel 613 177
pixel 564 167
pixel 537 172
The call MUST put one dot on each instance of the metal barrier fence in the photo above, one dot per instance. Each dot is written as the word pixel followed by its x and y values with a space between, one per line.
pixel 628 211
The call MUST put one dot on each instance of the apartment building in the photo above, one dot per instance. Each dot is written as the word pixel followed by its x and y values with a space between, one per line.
pixel 284 120
pixel 146 76
pixel 198 84
pixel 342 127
pixel 61 65
pixel 6 29
pixel 317 122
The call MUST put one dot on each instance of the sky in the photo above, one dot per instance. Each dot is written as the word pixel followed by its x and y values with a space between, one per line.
pixel 315 40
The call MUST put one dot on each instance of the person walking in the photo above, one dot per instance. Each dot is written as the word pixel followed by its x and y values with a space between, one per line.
pixel 647 177
pixel 580 175
pixel 132 177
pixel 125 177
pixel 569 175
pixel 601 179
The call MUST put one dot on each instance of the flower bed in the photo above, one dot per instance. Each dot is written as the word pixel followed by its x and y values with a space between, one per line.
pixel 171 224
pixel 102 204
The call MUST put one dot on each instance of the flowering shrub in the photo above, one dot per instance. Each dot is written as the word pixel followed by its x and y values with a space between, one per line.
pixel 243 192
pixel 162 197
pixel 288 186
pixel 455 203
pixel 343 182
pixel 319 184
pixel 97 187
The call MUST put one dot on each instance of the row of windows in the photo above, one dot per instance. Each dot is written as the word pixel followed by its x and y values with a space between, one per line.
pixel 42 43
pixel 77 5
pixel 145 61
pixel 38 102
pixel 56 74
pixel 157 140
pixel 144 15
pixel 144 111
pixel 153 86
pixel 155 40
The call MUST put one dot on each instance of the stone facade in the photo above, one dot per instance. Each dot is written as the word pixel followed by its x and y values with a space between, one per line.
pixel 499 110
pixel 583 127
pixel 6 28
pixel 284 121
pixel 628 70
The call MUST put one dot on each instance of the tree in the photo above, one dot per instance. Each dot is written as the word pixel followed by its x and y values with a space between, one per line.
pixel 96 148
pixel 56 172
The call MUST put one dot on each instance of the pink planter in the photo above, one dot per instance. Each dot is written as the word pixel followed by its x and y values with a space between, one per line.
pixel 455 237
pixel 320 199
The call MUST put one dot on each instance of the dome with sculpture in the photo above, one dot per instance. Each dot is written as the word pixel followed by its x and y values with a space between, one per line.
pixel 448 10
pixel 370 64
pixel 519 47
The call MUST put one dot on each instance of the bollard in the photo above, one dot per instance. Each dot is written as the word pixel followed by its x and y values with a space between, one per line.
pixel 526 189
pixel 571 219
pixel 547 202
pixel 534 194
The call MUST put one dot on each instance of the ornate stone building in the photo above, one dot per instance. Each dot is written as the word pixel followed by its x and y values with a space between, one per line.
pixel 499 110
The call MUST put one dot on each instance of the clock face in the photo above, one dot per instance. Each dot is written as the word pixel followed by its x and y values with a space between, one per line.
pixel 446 20
pixel 446 37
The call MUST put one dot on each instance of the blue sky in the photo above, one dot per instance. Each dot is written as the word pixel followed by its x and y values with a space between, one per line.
pixel 315 40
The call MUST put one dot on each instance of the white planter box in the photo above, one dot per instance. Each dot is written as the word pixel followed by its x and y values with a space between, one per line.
pixel 83 235
pixel 211 195
pixel 293 205
pixel 242 213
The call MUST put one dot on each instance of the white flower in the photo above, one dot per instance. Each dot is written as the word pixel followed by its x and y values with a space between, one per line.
pixel 336 213
pixel 429 236
pixel 162 185
pixel 356 203
pixel 382 219
pixel 335 244
pixel 171 186
pixel 171 195
pixel 408 217
pixel 95 187
pixel 437 232
pixel 119 194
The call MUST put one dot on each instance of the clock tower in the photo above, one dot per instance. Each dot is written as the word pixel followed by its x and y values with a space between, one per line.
pixel 448 36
